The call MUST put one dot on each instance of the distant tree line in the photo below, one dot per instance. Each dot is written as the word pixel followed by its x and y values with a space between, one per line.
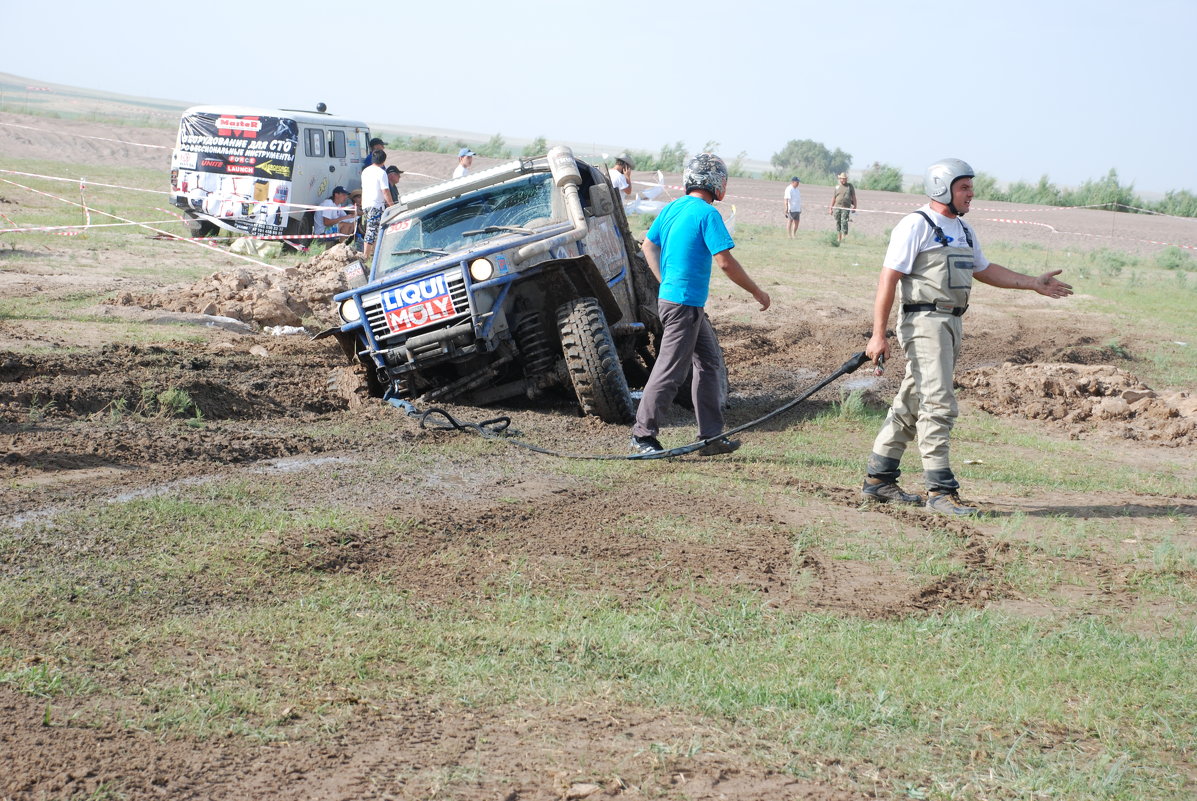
pixel 1105 192
pixel 814 163
pixel 810 161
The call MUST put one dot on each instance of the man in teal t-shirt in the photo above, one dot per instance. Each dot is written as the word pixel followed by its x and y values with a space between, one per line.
pixel 681 244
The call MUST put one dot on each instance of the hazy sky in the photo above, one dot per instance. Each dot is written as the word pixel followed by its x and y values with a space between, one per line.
pixel 1019 89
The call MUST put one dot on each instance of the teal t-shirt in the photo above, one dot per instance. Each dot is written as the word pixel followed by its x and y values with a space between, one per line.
pixel 689 232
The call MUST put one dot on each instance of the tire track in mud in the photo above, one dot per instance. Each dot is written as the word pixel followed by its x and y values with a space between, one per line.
pixel 976 585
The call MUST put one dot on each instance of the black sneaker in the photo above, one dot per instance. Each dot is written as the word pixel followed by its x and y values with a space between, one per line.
pixel 646 445
pixel 949 503
pixel 718 447
pixel 879 491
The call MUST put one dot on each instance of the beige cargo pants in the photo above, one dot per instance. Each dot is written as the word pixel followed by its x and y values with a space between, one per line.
pixel 925 406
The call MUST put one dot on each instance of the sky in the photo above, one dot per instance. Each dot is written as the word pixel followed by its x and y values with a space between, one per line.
pixel 1018 89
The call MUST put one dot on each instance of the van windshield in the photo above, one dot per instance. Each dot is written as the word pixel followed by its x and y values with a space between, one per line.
pixel 465 221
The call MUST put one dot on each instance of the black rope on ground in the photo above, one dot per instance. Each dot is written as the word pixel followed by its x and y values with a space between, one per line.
pixel 495 427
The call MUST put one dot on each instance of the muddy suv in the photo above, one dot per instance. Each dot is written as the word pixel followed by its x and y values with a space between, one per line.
pixel 512 281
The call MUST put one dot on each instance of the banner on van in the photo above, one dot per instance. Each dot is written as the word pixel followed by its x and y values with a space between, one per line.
pixel 258 147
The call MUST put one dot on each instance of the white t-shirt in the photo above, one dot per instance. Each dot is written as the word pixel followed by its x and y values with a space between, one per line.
pixel 327 212
pixel 793 197
pixel 460 170
pixel 374 186
pixel 619 182
pixel 912 235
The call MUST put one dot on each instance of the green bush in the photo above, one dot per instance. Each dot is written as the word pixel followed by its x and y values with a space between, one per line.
pixel 537 147
pixel 1111 262
pixel 1045 193
pixel 495 148
pixel 1173 258
pixel 427 144
pixel 1105 193
pixel 985 187
pixel 672 158
pixel 1178 203
pixel 882 177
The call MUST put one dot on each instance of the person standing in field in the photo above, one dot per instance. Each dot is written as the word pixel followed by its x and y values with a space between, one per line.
pixel 376 144
pixel 465 158
pixel 680 246
pixel 375 198
pixel 931 262
pixel 843 203
pixel 793 206
pixel 621 176
pixel 394 174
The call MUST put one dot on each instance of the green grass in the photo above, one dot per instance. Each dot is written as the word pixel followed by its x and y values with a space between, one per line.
pixel 218 608
pixel 1013 707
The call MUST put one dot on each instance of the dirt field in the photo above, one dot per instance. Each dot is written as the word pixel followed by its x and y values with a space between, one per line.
pixel 84 420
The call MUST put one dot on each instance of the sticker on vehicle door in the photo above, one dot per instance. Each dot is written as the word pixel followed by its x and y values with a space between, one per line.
pixel 417 304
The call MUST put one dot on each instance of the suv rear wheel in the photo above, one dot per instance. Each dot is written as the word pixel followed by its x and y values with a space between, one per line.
pixel 592 361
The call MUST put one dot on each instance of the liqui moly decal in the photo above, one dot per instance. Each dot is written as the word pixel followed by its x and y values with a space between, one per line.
pixel 417 304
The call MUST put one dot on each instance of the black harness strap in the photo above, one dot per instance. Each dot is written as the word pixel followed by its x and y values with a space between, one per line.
pixel 940 236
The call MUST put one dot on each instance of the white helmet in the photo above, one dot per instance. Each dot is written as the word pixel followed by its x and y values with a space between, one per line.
pixel 941 175
pixel 706 171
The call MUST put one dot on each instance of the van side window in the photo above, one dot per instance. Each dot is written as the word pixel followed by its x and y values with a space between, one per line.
pixel 314 143
pixel 336 144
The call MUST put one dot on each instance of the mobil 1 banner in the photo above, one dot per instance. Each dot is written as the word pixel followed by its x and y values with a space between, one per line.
pixel 258 147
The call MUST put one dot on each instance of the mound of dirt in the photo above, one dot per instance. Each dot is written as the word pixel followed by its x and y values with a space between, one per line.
pixel 1085 400
pixel 284 298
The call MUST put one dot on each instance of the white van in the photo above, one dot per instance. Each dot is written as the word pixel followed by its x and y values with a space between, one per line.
pixel 258 171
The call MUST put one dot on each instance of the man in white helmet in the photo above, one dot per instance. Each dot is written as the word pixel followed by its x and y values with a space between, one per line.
pixel 680 246
pixel 931 262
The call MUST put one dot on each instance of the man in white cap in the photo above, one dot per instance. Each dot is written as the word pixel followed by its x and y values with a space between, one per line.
pixel 332 217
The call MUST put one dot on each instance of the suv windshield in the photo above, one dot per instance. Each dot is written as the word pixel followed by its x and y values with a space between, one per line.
pixel 465 221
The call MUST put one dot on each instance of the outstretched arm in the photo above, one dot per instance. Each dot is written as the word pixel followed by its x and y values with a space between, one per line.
pixel 1004 278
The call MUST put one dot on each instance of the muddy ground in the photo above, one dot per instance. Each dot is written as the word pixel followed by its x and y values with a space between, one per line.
pixel 83 420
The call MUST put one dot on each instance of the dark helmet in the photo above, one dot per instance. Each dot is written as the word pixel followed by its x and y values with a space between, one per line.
pixel 706 171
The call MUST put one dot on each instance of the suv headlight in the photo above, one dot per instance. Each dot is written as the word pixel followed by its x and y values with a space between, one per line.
pixel 481 269
pixel 348 311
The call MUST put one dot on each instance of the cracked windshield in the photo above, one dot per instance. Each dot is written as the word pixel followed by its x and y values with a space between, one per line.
pixel 465 222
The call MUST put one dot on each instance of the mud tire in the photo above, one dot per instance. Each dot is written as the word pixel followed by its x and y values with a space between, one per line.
pixel 592 361
pixel 197 228
pixel 299 227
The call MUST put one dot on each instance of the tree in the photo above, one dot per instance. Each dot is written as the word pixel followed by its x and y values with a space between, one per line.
pixel 1105 192
pixel 537 147
pixel 495 147
pixel 882 177
pixel 1045 193
pixel 1181 203
pixel 985 187
pixel 811 160
pixel 671 159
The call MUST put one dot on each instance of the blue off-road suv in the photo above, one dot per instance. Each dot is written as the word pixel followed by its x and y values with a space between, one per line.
pixel 512 281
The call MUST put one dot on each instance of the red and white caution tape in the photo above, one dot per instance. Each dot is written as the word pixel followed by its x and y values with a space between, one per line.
pixel 149 227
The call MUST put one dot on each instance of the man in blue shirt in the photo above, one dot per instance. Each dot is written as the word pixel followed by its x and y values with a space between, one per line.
pixel 681 244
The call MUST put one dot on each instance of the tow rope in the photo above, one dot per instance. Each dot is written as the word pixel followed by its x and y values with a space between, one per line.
pixel 495 427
